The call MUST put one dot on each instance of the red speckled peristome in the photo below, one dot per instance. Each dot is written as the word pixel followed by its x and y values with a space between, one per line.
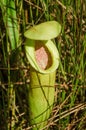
pixel 43 56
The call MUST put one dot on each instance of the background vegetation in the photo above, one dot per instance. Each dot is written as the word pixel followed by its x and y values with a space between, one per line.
pixel 69 112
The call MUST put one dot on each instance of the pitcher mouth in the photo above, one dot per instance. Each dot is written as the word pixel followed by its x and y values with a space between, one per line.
pixel 42 55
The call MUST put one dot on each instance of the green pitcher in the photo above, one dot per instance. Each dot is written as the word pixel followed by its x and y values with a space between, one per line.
pixel 43 57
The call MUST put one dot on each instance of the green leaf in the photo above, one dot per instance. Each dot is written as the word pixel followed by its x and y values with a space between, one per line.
pixel 10 21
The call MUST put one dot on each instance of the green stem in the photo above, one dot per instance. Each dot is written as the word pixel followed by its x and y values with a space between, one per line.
pixel 11 102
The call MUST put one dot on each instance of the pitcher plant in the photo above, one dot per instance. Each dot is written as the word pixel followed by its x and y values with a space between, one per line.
pixel 43 57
